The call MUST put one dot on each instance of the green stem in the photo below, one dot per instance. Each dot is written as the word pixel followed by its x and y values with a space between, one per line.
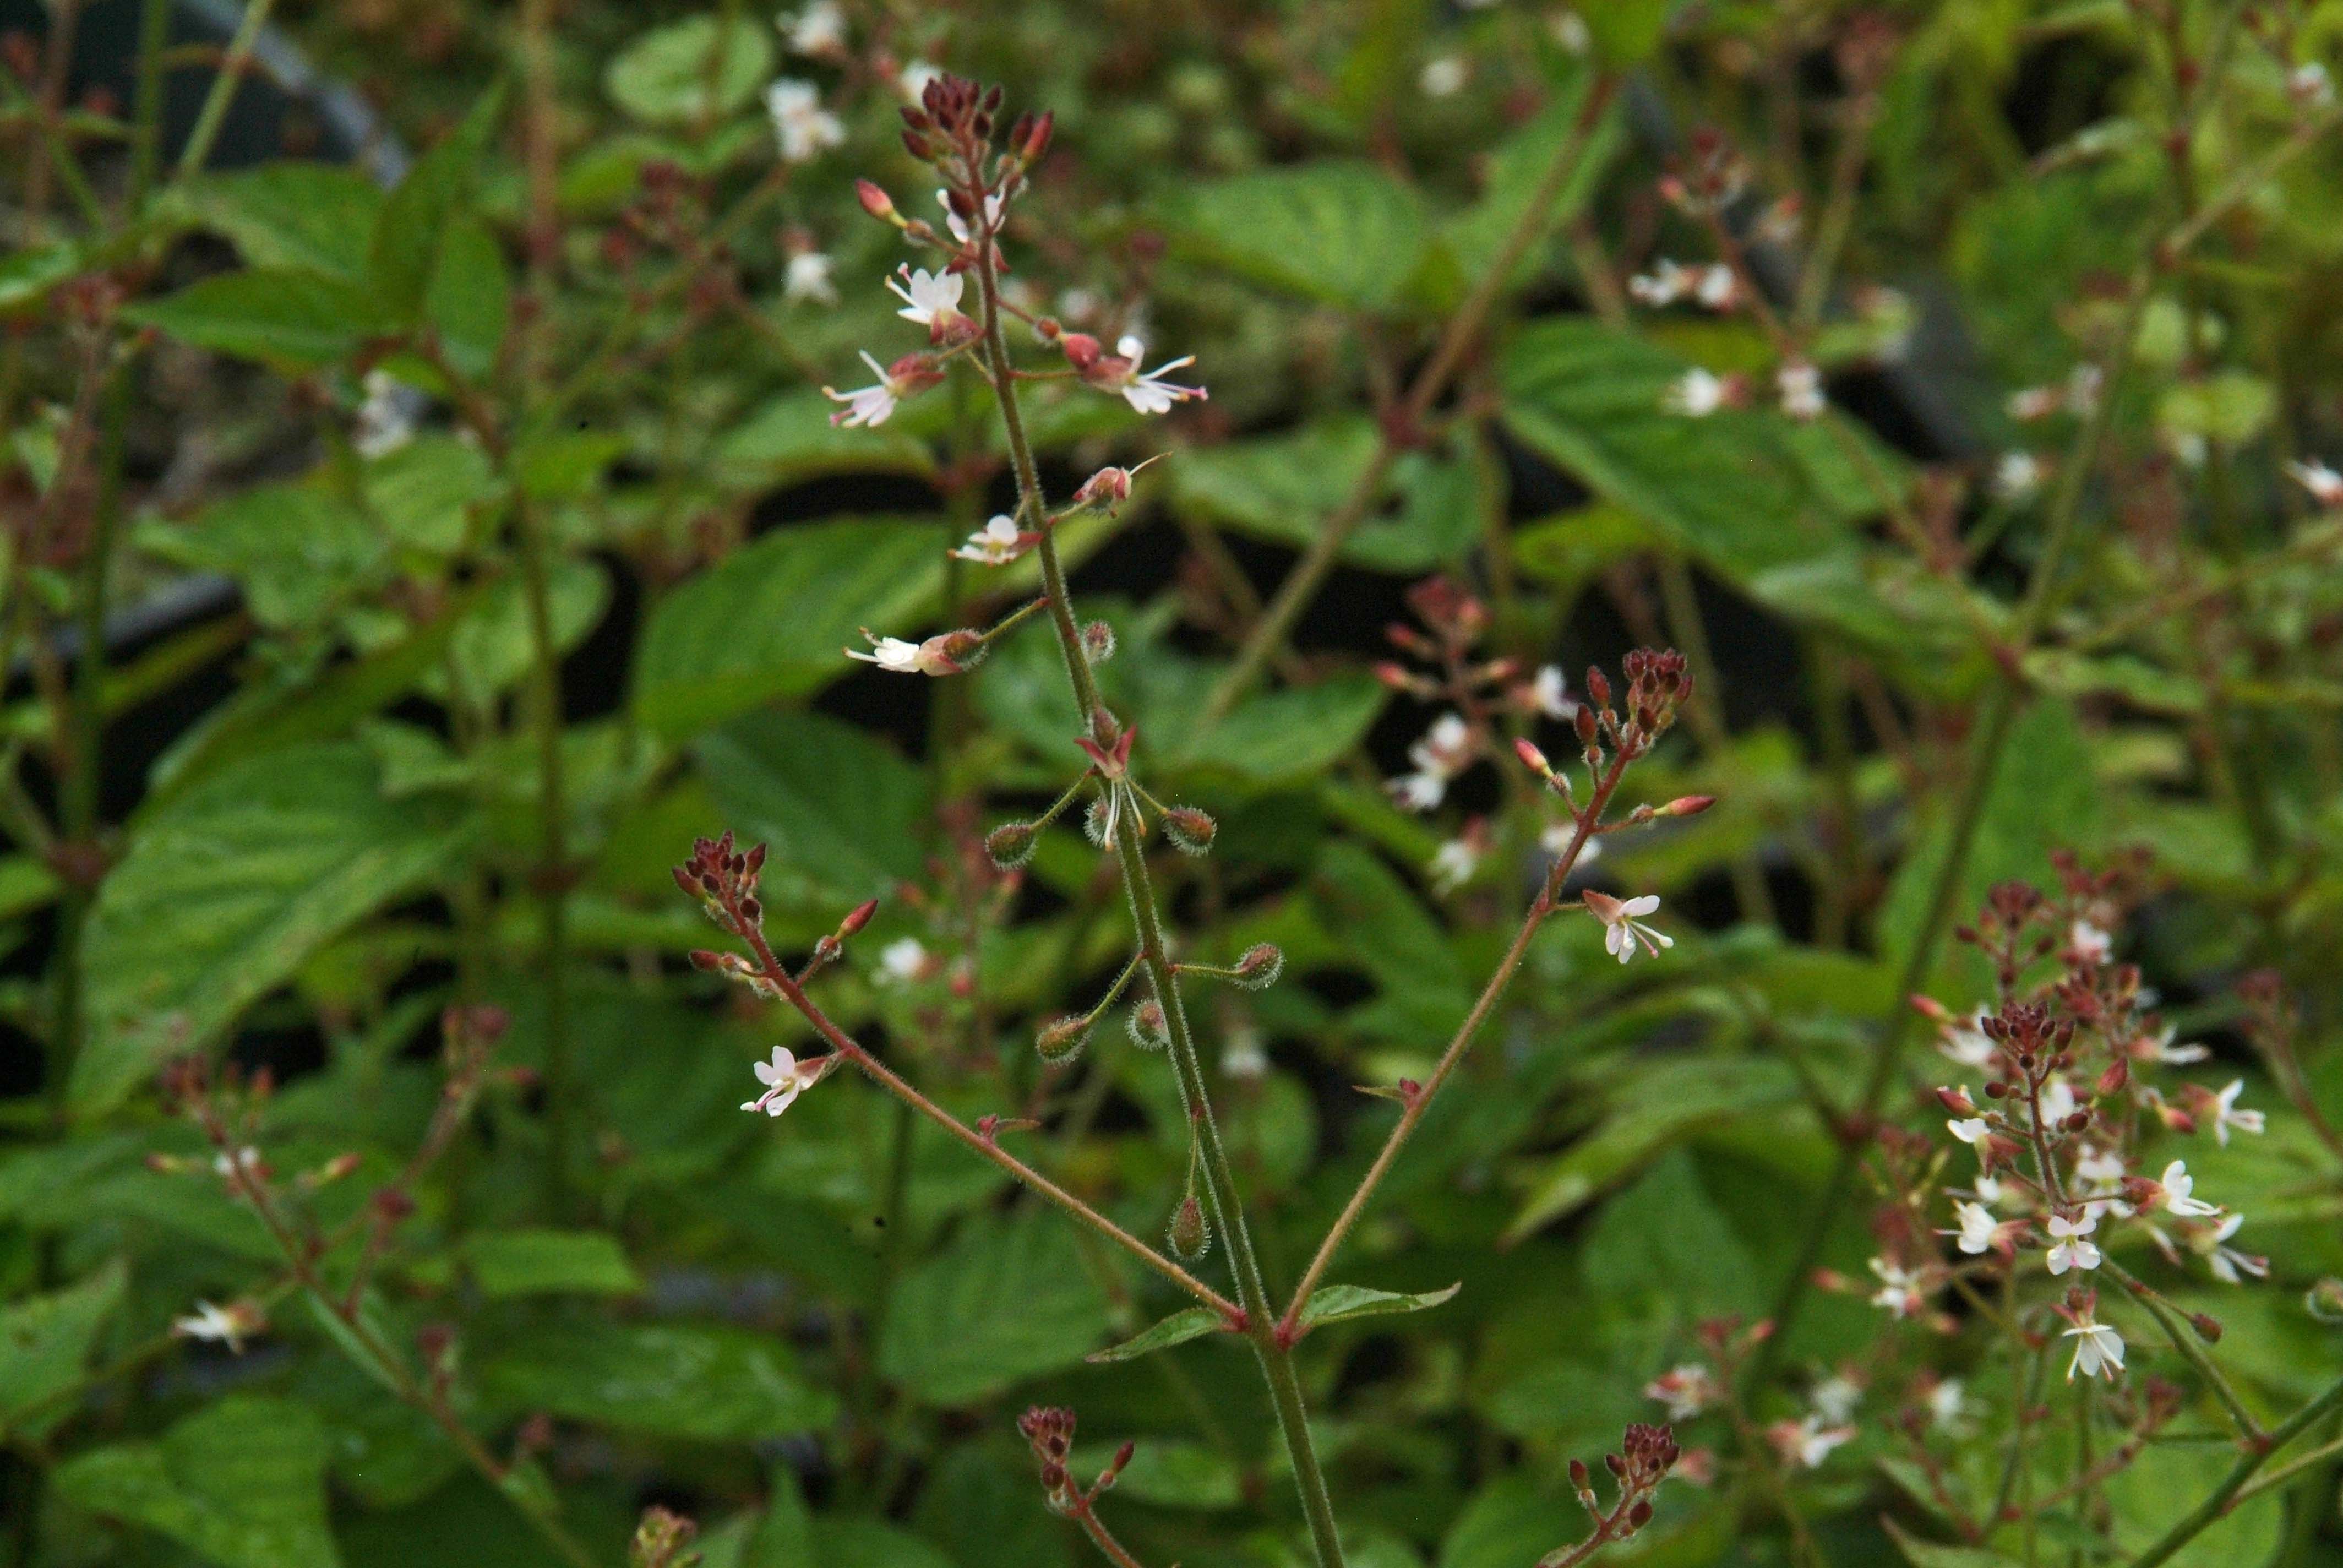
pixel 552 875
pixel 214 113
pixel 154 36
pixel 2225 1496
pixel 1271 1347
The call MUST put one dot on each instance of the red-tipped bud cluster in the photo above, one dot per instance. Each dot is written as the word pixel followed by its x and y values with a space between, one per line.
pixel 1098 643
pixel 1049 1429
pixel 724 879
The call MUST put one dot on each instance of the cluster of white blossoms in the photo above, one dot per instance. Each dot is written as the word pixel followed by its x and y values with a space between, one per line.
pixel 1713 286
pixel 1446 750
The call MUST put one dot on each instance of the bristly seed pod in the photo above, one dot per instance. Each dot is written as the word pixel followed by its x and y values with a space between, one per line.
pixel 1149 1030
pixel 1061 1041
pixel 1189 829
pixel 1259 967
pixel 1189 1235
pixel 1012 844
pixel 1098 643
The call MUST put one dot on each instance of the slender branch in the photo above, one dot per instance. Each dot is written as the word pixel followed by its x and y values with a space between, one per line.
pixel 553 870
pixel 1464 329
pixel 2226 1496
pixel 2184 1340
pixel 1540 908
pixel 214 113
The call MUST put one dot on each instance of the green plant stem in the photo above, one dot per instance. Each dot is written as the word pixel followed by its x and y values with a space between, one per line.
pixel 2184 1340
pixel 214 113
pixel 1705 714
pixel 1273 1346
pixel 1459 1043
pixel 1302 584
pixel 552 874
pixel 2226 1496
pixel 1842 856
pixel 145 146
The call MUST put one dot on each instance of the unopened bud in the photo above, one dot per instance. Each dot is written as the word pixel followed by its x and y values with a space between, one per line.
pixel 1584 723
pixel 340 1166
pixel 1189 829
pixel 1061 1041
pixel 1098 643
pixel 2117 1074
pixel 857 919
pixel 1149 1030
pixel 1259 967
pixel 1956 1101
pixel 877 203
pixel 1641 1514
pixel 1580 1477
pixel 1189 1235
pixel 1012 844
pixel 1598 687
pixel 1035 142
pixel 2207 1327
pixel 1533 759
pixel 2323 1301
pixel 1687 806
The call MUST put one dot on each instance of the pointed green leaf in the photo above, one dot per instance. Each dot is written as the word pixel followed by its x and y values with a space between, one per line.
pixel 45 1340
pixel 285 317
pixel 663 78
pixel 708 1382
pixel 291 214
pixel 1338 233
pixel 240 1483
pixel 1192 1323
pixel 1008 1299
pixel 1340 1303
pixel 536 1261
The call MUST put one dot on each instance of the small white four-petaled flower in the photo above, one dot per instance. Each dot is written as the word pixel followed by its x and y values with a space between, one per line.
pixel 2098 1348
pixel 2072 1247
pixel 1979 1229
pixel 2177 1184
pixel 2227 1115
pixel 800 124
pixel 996 544
pixel 227 1325
pixel 1623 925
pixel 931 298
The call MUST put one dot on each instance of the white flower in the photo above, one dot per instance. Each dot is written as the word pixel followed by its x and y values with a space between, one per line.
pixel 1550 694
pixel 1899 1288
pixel 2227 1115
pixel 2100 1170
pixel 2309 85
pixel 1149 393
pixel 2324 484
pixel 1686 1391
pixel 1555 841
pixel 2226 1262
pixel 228 1325
pixel 784 1078
pixel 1665 285
pixel 807 277
pixel 1966 1043
pixel 2057 1101
pixel 387 419
pixel 2073 1250
pixel 229 1163
pixel 1989 1190
pixel 2161 1048
pixel 819 29
pixel 932 299
pixel 2098 1349
pixel 2178 1185
pixel 2016 475
pixel 2091 944
pixel 1241 1056
pixel 959 229
pixel 1946 1404
pixel 1801 386
pixel 1452 865
pixel 1834 1398
pixel 800 124
pixel 1809 1441
pixel 1970 1129
pixel 996 544
pixel 1445 750
pixel 1444 77
pixel 1696 393
pixel 914 78
pixel 1623 925
pixel 2083 385
pixel 869 405
pixel 1978 1227
pixel 1418 791
pixel 902 960
pixel 1567 26
pixel 948 653
pixel 2034 403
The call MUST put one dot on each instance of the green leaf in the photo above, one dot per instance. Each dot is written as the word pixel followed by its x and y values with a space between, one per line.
pixel 1516 168
pixel 287 318
pixel 1338 233
pixel 976 1502
pixel 295 549
pixel 45 1340
pixel 1293 732
pixel 535 1262
pixel 774 618
pixel 832 799
pixel 712 1382
pixel 26 275
pixel 316 216
pixel 1626 33
pixel 1191 1323
pixel 425 492
pixel 1008 1299
pixel 413 225
pixel 1340 1303
pixel 26 883
pixel 790 440
pixel 663 78
pixel 469 301
pixel 1930 1555
pixel 565 465
pixel 240 1483
pixel 229 889
pixel 1661 1249
pixel 783 1536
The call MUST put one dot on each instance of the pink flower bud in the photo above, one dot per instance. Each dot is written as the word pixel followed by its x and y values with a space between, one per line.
pixel 1081 350
pixel 1259 967
pixel 1956 1101
pixel 1533 759
pixel 877 203
pixel 858 917
pixel 1687 806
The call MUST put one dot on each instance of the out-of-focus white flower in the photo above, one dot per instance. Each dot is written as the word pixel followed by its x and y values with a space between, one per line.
pixel 2083 383
pixel 2072 1248
pixel 2162 1050
pixel 2016 475
pixel 1697 393
pixel 1806 1442
pixel 2227 1115
pixel 958 225
pixel 2324 484
pixel 1686 1391
pixel 1623 926
pixel 1946 1403
pixel 1989 1190
pixel 2058 1100
pixel 2098 1348
pixel 809 278
pixel 1900 1293
pixel 385 420
pixel 2210 1242
pixel 1978 1228
pixel 2309 85
pixel 1445 750
pixel 818 30
pixel 2100 1170
pixel 1834 1398
pixel 802 127
pixel 2178 1185
pixel 1555 841
pixel 1567 28
pixel 997 543
pixel 1550 694
pixel 2032 402
pixel 1801 386
pixel 784 1078
pixel 2089 943
pixel 1970 1129
pixel 1241 1056
pixel 902 960
pixel 1444 77
pixel 227 1325
pixel 1966 1042
pixel 1452 865
pixel 914 78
